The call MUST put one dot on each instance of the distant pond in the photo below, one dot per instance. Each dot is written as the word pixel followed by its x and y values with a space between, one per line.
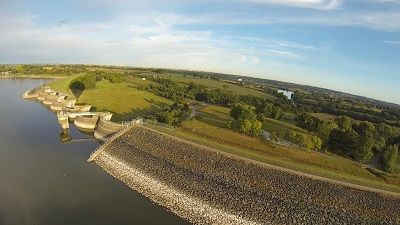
pixel 288 94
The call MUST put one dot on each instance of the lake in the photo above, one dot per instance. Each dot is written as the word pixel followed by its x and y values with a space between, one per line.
pixel 44 181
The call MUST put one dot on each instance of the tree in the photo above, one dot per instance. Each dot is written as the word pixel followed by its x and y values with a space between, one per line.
pixel 277 113
pixel 385 130
pixel 342 141
pixel 344 122
pixel 21 69
pixel 365 127
pixel 168 117
pixel 245 120
pixel 242 112
pixel 242 125
pixel 256 127
pixel 316 142
pixel 380 143
pixel 307 121
pixel 389 157
pixel 363 151
pixel 324 130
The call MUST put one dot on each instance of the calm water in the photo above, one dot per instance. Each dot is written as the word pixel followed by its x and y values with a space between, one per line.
pixel 43 181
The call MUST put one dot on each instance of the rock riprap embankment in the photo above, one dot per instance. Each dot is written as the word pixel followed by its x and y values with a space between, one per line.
pixel 207 187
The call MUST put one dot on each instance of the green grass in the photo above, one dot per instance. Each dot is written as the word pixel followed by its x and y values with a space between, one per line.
pixel 324 116
pixel 238 90
pixel 62 85
pixel 122 99
pixel 272 125
pixel 214 115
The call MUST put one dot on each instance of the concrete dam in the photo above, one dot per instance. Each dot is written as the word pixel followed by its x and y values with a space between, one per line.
pixel 67 112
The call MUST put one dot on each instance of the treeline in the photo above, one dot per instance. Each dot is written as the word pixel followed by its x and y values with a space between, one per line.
pixel 247 111
pixel 319 102
pixel 246 121
pixel 359 140
pixel 172 115
pixel 167 88
pixel 43 69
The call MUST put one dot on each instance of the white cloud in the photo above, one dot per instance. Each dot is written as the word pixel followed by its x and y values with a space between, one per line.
pixel 120 42
pixel 283 53
pixel 316 4
pixel 392 42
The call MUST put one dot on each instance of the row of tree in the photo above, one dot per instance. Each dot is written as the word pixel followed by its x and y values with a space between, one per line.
pixel 359 140
pixel 320 102
pixel 43 69
pixel 177 92
pixel 173 114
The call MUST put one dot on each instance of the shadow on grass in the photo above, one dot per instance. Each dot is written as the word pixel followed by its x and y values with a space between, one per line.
pixel 214 120
pixel 135 112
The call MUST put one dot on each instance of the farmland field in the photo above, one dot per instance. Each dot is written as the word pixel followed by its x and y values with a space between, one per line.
pixel 218 84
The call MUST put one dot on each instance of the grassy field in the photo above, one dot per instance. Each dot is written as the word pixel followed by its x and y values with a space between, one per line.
pixel 324 116
pixel 272 125
pixel 219 116
pixel 218 84
pixel 122 99
pixel 209 128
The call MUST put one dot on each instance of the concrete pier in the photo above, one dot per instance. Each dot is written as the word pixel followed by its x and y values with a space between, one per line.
pixel 68 111
pixel 63 120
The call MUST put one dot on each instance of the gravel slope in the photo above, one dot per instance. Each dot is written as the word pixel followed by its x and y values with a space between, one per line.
pixel 211 188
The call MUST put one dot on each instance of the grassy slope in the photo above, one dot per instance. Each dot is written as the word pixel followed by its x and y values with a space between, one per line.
pixel 272 125
pixel 209 129
pixel 125 101
pixel 218 84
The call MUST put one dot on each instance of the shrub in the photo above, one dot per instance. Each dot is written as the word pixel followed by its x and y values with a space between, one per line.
pixel 389 157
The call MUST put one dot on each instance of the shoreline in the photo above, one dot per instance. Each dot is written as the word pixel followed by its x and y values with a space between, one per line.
pixel 188 179
pixel 31 77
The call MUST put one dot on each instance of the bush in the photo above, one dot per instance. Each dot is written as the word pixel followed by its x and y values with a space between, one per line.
pixel 389 157
pixel 311 143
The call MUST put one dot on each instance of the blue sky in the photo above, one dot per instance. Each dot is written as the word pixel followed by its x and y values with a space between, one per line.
pixel 351 46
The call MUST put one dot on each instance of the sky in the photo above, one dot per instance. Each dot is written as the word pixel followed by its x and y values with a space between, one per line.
pixel 351 46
